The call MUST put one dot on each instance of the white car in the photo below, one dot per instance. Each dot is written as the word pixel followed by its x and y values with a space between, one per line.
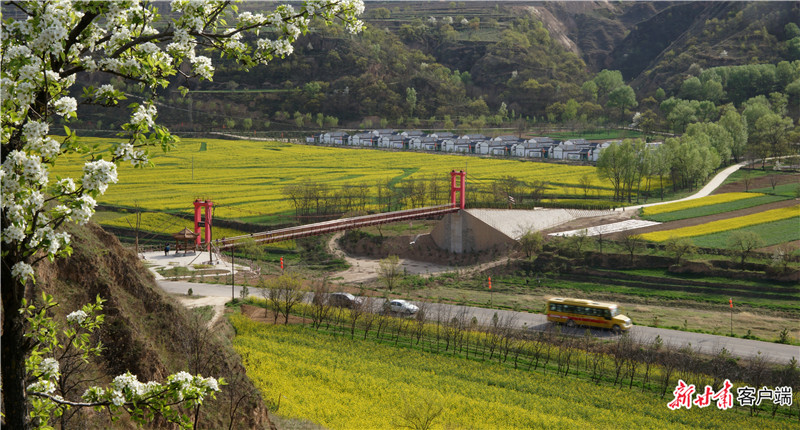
pixel 400 307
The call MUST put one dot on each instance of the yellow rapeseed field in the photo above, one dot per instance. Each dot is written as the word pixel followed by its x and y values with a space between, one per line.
pixel 341 383
pixel 695 203
pixel 157 222
pixel 725 224
pixel 247 178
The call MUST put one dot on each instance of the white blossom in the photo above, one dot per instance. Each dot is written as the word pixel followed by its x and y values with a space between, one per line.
pixel 117 398
pixel 130 382
pixel 22 271
pixel 34 131
pixel 78 316
pixel 98 174
pixel 202 66
pixel 13 233
pixel 42 386
pixel 84 210
pixel 49 367
pixel 144 115
pixel 65 186
pixel 211 383
pixel 65 106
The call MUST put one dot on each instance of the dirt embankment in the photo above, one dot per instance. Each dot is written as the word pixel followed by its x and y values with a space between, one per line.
pixel 145 331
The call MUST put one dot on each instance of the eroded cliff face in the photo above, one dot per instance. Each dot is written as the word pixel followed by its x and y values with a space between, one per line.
pixel 145 331
pixel 649 42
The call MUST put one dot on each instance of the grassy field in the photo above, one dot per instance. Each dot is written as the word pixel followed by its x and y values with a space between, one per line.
pixel 339 382
pixel 156 222
pixel 246 179
pixel 772 233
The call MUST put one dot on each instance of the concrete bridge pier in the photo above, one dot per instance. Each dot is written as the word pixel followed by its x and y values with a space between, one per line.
pixel 461 232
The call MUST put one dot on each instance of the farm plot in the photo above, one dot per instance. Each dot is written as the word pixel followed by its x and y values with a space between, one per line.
pixel 693 203
pixel 339 382
pixel 248 178
pixel 791 212
pixel 772 233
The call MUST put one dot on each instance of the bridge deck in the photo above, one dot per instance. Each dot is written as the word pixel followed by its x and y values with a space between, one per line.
pixel 335 225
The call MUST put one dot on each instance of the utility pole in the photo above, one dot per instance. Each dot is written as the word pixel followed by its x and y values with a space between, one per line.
pixel 233 271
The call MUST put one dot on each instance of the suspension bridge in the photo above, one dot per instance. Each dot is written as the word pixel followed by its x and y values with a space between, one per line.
pixel 457 202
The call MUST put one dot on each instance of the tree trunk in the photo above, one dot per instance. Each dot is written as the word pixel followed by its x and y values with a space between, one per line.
pixel 14 350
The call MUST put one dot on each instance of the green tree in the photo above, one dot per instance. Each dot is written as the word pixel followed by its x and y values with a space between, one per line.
pixel 771 136
pixel 736 126
pixel 607 81
pixel 411 100
pixel 530 243
pixel 681 116
pixel 791 30
pixel 42 56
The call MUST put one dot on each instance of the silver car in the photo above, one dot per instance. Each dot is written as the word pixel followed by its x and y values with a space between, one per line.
pixel 400 307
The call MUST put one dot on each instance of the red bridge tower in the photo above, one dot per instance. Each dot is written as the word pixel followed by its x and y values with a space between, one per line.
pixel 461 188
pixel 203 220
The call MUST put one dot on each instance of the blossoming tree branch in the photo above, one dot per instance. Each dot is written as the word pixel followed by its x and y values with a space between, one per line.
pixel 43 53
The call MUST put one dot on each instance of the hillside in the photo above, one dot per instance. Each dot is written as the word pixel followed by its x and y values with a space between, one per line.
pixel 472 65
pixel 145 332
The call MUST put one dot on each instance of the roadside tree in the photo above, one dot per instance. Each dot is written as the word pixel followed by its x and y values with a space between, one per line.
pixel 389 271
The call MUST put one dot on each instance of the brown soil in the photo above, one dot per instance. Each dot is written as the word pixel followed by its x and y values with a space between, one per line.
pixel 702 220
pixel 756 183
pixel 580 223
pixel 256 313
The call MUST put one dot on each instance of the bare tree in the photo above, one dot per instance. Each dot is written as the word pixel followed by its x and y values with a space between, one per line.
pixel 418 193
pixel 419 319
pixel 747 178
pixel 773 181
pixel 389 271
pixel 755 373
pixel 743 243
pixel 356 311
pixel 284 293
pixel 271 297
pixel 420 414
pixel 631 243
pixel 435 190
pixel 585 181
pixel 680 247
pixel 320 306
pixel 370 314
pixel 238 391
pixel 536 190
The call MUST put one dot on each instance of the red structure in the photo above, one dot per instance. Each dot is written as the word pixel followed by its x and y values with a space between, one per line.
pixel 461 189
pixel 203 220
pixel 325 227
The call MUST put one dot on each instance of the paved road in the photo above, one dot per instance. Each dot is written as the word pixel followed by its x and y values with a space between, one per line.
pixel 706 343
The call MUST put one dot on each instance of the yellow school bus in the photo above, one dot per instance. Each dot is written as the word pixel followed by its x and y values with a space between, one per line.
pixel 574 312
